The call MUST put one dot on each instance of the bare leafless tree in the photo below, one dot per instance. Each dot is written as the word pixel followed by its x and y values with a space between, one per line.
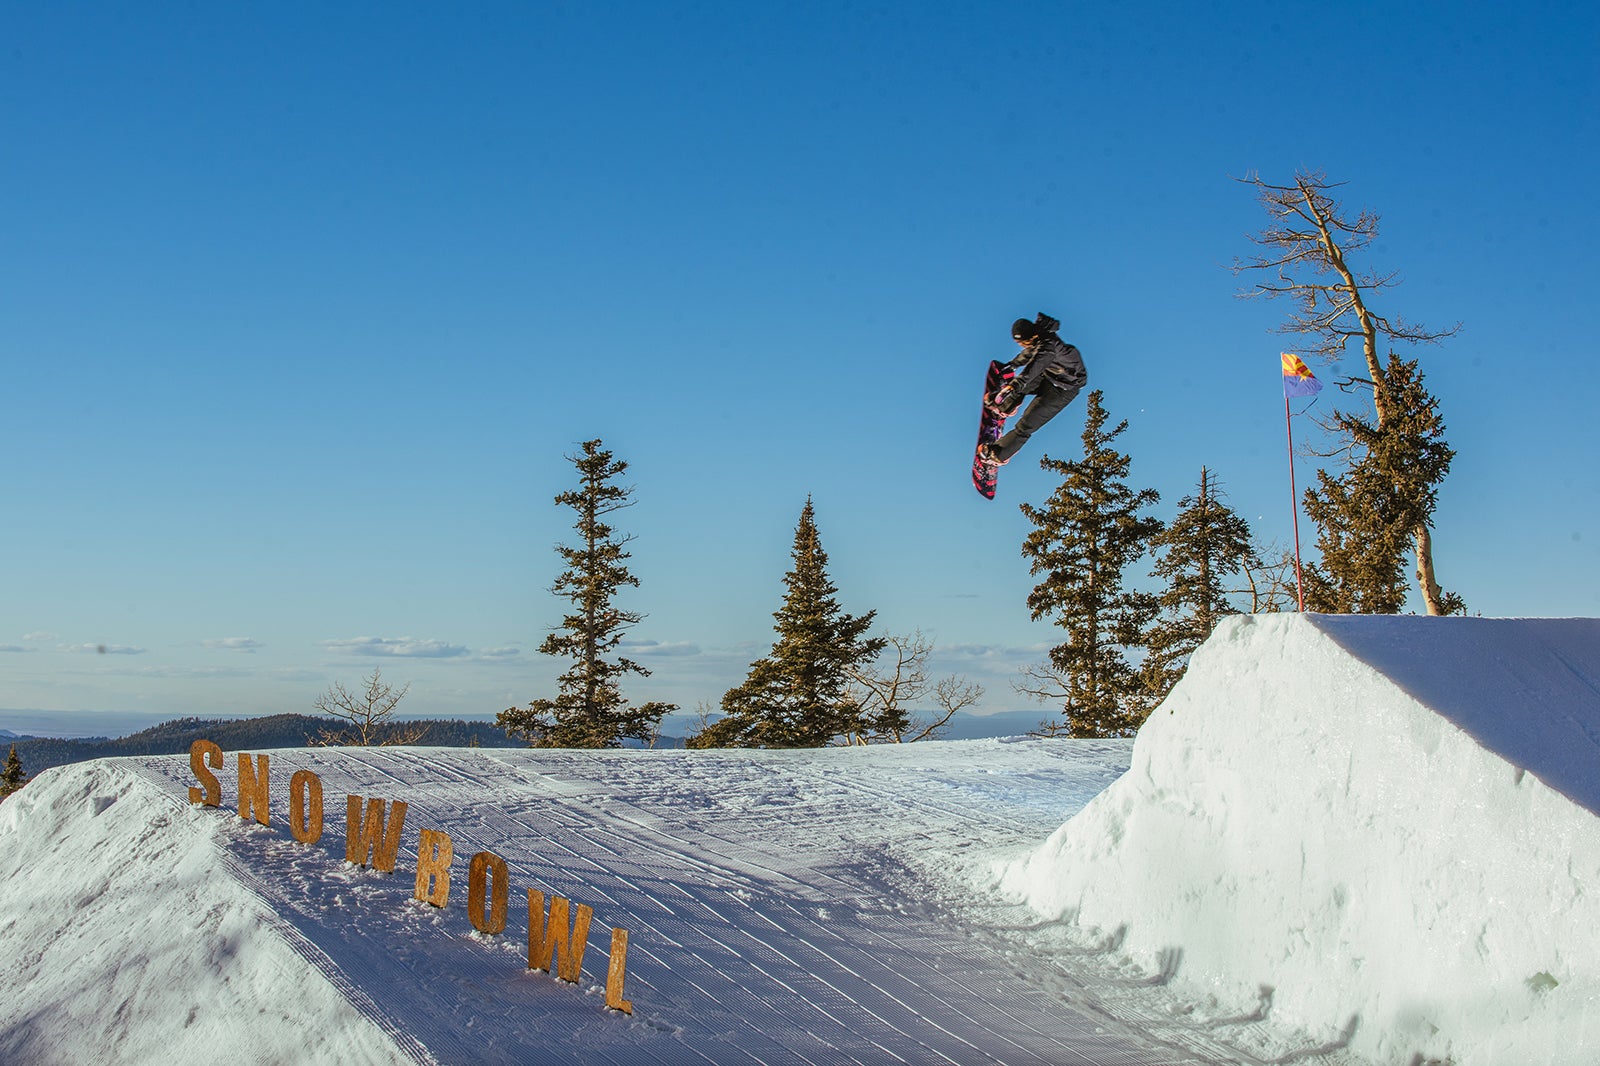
pixel 1308 247
pixel 888 689
pixel 1269 580
pixel 368 713
pixel 951 695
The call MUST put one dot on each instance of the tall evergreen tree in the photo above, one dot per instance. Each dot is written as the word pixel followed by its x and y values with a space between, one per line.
pixel 13 777
pixel 1085 536
pixel 1369 514
pixel 1206 543
pixel 800 695
pixel 589 710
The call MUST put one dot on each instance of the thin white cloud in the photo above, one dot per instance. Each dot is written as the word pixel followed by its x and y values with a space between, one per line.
pixel 39 637
pixel 189 672
pixel 13 647
pixel 296 674
pixel 987 652
pixel 658 647
pixel 244 644
pixel 501 654
pixel 397 648
pixel 104 649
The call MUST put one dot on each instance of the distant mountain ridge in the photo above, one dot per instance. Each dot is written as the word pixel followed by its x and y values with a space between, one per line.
pixel 239 734
pixel 297 730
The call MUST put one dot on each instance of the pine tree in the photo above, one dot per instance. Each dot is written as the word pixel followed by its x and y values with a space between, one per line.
pixel 1085 537
pixel 1205 543
pixel 1369 516
pixel 589 711
pixel 800 696
pixel 13 777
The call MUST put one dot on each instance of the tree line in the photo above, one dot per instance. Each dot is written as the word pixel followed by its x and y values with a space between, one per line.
pixel 827 680
pixel 29 756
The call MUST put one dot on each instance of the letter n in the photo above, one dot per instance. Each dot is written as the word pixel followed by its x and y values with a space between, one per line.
pixel 368 841
pixel 253 788
pixel 557 940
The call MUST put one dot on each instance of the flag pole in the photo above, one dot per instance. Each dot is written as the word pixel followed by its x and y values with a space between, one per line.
pixel 1294 500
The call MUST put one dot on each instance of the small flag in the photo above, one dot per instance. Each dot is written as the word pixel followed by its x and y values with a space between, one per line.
pixel 1297 378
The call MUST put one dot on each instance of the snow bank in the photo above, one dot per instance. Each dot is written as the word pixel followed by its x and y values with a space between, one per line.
pixel 783 906
pixel 1349 824
pixel 127 939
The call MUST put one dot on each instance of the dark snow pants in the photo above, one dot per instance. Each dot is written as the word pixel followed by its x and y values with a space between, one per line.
pixel 1050 401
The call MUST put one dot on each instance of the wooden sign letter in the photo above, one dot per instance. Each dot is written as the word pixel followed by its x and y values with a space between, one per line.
pixel 488 873
pixel 368 841
pixel 617 971
pixel 434 852
pixel 202 752
pixel 306 826
pixel 253 788
pixel 557 940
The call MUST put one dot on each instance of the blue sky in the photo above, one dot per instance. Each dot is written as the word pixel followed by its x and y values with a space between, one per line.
pixel 303 306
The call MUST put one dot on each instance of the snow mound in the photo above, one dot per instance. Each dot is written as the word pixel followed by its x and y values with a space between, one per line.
pixel 783 906
pixel 1379 828
pixel 129 938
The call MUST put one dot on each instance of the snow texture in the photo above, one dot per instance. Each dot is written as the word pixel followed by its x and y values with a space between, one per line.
pixel 1340 842
pixel 1379 828
pixel 783 907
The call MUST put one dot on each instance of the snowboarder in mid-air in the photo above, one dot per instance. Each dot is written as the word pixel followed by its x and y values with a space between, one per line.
pixel 1051 371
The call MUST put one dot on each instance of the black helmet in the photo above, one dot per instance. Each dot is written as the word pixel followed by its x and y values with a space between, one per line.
pixel 1024 330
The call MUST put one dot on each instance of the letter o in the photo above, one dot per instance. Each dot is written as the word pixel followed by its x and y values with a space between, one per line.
pixel 488 875
pixel 306 827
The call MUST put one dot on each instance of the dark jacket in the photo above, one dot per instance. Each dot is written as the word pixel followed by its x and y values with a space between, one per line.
pixel 1050 361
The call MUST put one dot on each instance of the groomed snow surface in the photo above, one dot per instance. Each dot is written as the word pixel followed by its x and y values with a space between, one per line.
pixel 1340 841
pixel 1380 828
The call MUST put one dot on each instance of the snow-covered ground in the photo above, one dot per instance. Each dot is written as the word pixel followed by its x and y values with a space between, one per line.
pixel 1308 862
pixel 1383 829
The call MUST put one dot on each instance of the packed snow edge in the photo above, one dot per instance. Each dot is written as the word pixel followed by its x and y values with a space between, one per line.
pixel 1299 834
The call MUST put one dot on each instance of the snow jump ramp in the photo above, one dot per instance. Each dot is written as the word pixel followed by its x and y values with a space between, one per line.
pixel 1382 828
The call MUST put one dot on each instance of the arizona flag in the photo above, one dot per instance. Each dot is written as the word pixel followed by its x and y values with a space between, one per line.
pixel 1297 379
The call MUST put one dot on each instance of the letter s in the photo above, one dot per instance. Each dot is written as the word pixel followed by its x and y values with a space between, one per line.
pixel 200 753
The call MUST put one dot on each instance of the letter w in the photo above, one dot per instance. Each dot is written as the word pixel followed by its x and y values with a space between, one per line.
pixel 369 841
pixel 556 940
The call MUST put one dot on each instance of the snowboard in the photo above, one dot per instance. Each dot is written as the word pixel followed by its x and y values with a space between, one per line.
pixel 990 426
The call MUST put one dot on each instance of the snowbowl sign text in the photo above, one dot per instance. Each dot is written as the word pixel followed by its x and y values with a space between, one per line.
pixel 372 838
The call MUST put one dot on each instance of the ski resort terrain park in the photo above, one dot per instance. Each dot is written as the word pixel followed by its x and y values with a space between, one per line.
pixel 1341 840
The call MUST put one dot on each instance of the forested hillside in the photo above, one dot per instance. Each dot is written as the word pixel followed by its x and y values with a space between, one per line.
pixel 241 734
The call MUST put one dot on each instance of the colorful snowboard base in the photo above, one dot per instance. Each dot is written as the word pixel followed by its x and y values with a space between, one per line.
pixel 990 425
